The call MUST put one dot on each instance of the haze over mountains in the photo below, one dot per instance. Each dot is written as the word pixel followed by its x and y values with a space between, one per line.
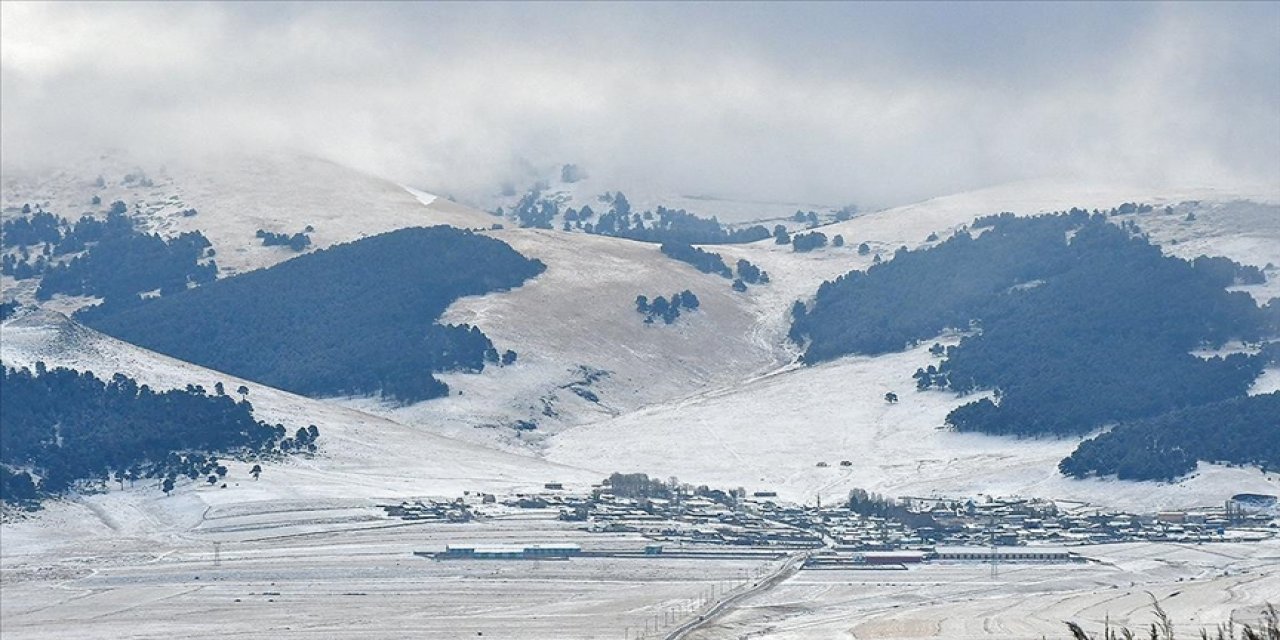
pixel 638 320
pixel 826 103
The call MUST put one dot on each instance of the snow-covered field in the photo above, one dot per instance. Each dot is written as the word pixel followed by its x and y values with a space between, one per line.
pixel 1199 586
pixel 355 582
pixel 343 571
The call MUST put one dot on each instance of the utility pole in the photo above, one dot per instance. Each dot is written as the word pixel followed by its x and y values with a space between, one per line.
pixel 995 553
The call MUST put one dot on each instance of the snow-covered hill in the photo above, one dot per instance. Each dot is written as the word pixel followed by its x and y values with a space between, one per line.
pixel 772 432
pixel 235 196
pixel 714 398
pixel 362 456
pixel 771 423
pixel 585 352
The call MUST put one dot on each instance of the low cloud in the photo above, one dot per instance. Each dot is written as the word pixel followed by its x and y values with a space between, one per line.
pixel 836 103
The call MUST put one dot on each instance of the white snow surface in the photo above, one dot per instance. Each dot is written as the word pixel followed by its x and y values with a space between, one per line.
pixel 1199 586
pixel 422 196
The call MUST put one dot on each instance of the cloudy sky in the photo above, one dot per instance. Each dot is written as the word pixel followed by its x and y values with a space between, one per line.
pixel 870 103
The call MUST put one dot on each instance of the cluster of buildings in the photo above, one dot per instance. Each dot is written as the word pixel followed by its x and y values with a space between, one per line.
pixel 1016 521
pixel 431 510
pixel 899 532
pixel 913 523
pixel 683 519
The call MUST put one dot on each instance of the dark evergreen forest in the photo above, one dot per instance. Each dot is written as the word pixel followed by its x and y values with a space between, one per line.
pixel 1242 430
pixel 68 425
pixel 110 258
pixel 673 225
pixel 351 319
pixel 1074 322
pixel 619 220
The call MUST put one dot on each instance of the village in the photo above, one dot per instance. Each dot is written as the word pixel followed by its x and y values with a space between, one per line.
pixel 862 530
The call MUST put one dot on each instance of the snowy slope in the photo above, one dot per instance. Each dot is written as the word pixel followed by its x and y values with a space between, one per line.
pixel 237 195
pixel 911 223
pixel 1244 226
pixel 772 433
pixel 720 403
pixel 361 457
pixel 581 313
pixel 1243 230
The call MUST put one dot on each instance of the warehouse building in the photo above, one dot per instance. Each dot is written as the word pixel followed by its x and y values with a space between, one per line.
pixel 1005 554
pixel 510 552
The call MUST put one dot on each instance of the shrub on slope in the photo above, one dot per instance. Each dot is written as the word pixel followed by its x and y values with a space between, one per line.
pixel 704 261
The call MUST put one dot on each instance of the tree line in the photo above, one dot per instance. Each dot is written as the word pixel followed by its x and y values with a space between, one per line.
pixel 620 220
pixel 711 262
